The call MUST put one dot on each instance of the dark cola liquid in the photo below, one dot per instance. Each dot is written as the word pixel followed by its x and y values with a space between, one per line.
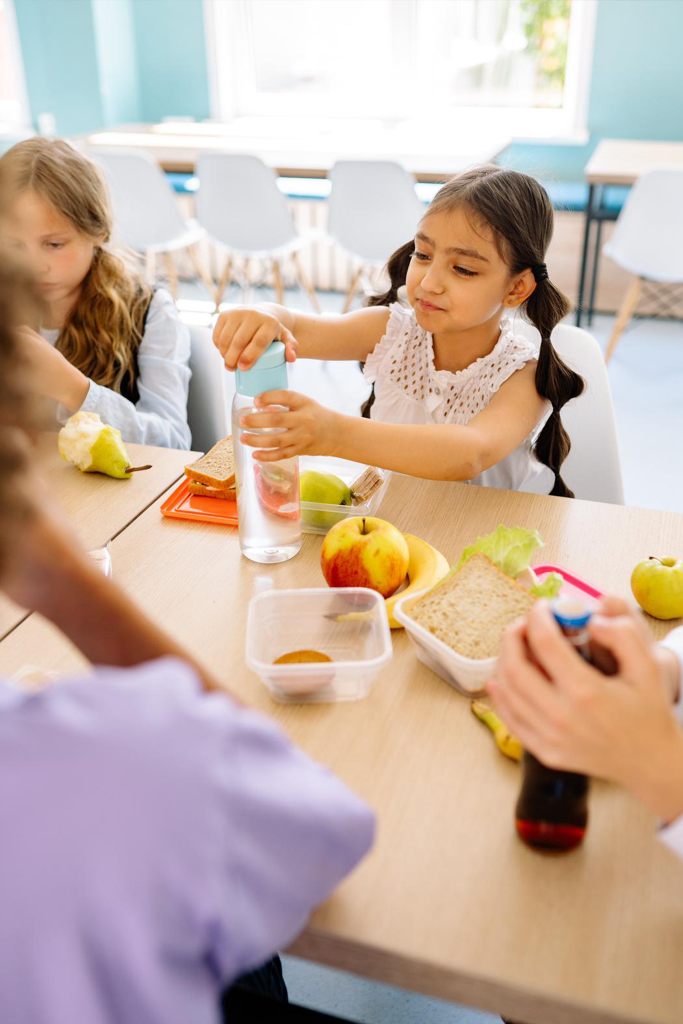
pixel 552 808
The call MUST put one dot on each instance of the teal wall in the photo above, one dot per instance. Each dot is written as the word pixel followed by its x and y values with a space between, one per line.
pixel 636 85
pixel 171 52
pixel 117 60
pixel 60 62
pixel 94 63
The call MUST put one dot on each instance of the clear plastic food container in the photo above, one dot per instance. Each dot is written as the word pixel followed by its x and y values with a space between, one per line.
pixel 319 518
pixel 468 675
pixel 348 624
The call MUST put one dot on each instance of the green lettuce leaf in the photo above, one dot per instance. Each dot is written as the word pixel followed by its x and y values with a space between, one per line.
pixel 550 587
pixel 510 548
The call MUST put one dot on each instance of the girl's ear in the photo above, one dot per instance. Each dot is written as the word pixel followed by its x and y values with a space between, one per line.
pixel 521 289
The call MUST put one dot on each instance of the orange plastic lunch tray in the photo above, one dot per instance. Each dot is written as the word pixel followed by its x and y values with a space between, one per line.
pixel 183 505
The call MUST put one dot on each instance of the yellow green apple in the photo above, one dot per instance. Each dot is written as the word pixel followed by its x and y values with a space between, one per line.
pixel 657 585
pixel 322 489
pixel 365 552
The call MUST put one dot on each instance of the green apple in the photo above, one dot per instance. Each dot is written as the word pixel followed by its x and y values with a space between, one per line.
pixel 657 585
pixel 322 489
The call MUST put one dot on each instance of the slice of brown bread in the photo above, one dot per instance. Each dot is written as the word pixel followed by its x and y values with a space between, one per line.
pixel 472 607
pixel 227 493
pixel 216 468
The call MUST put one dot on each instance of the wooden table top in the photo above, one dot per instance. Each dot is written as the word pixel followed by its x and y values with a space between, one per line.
pixel 623 161
pixel 449 902
pixel 98 506
pixel 308 154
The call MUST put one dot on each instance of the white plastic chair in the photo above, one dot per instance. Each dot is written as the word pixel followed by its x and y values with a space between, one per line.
pixel 648 239
pixel 592 469
pixel 372 210
pixel 211 391
pixel 242 209
pixel 146 214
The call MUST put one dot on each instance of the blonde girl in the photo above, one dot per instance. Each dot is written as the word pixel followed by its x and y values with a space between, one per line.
pixel 459 395
pixel 106 342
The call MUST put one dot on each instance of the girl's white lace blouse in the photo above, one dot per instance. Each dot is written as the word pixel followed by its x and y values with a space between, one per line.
pixel 409 388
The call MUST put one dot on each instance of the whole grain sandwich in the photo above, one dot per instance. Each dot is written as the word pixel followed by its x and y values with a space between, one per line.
pixel 471 608
pixel 213 476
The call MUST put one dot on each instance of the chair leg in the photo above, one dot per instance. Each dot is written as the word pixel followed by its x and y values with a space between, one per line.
pixel 202 272
pixel 223 283
pixel 624 315
pixel 279 289
pixel 151 263
pixel 172 275
pixel 246 282
pixel 304 279
pixel 352 289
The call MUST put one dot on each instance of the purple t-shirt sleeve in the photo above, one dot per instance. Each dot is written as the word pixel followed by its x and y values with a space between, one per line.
pixel 188 840
pixel 294 831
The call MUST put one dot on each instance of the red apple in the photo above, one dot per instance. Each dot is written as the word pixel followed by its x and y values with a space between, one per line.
pixel 365 552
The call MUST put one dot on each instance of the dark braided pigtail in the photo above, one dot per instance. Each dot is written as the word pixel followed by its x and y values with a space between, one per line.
pixel 397 269
pixel 545 308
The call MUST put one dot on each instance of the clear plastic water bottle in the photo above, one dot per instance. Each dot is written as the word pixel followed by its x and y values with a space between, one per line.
pixel 268 507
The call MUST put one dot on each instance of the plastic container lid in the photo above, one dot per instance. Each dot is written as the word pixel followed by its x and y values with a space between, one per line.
pixel 268 373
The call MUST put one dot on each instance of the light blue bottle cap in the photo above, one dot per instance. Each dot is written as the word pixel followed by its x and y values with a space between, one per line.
pixel 570 612
pixel 269 373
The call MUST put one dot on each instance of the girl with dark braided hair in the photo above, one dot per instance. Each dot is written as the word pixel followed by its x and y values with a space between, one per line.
pixel 458 395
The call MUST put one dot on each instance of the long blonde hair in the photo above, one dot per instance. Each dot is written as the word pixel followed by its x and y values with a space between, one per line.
pixel 104 329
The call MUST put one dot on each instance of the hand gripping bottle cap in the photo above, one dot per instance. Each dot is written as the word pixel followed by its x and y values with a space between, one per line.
pixel 269 373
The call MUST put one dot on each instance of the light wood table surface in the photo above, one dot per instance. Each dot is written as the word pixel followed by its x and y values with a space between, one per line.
pixel 623 161
pixel 98 506
pixel 310 153
pixel 449 902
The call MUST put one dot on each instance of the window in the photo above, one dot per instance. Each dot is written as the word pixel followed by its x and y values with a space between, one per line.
pixel 13 106
pixel 522 63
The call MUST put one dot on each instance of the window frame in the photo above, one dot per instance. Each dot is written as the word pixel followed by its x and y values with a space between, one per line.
pixel 9 126
pixel 229 71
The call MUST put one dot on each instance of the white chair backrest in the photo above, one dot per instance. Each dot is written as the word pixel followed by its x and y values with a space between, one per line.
pixel 211 391
pixel 146 213
pixel 240 204
pixel 592 469
pixel 647 239
pixel 373 208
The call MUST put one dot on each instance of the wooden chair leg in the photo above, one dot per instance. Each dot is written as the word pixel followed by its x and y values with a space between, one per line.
pixel 202 272
pixel 279 289
pixel 352 289
pixel 223 283
pixel 246 282
pixel 151 263
pixel 624 315
pixel 172 275
pixel 305 281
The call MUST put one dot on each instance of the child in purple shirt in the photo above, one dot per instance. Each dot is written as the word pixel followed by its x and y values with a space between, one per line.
pixel 159 839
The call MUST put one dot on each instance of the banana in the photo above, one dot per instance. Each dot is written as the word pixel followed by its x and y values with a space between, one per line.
pixel 507 743
pixel 426 566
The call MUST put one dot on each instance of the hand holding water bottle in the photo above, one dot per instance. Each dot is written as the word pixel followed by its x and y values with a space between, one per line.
pixel 304 427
